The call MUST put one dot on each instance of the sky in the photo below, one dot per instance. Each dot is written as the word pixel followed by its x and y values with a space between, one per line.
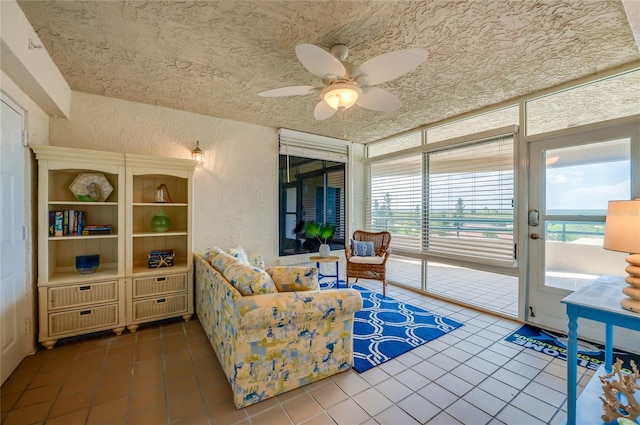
pixel 587 187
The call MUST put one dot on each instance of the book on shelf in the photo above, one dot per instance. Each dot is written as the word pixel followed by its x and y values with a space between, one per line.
pixel 52 223
pixel 67 223
pixel 57 230
pixel 97 229
pixel 79 223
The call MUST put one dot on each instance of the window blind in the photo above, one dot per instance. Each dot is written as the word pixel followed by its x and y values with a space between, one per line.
pixel 455 201
pixel 306 145
pixel 396 201
pixel 470 195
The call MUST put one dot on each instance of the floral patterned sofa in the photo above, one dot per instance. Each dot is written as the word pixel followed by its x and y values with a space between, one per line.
pixel 273 330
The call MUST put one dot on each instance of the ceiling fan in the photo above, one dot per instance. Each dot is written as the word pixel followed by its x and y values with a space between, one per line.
pixel 345 85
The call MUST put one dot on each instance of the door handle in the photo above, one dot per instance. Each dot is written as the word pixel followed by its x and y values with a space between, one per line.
pixel 535 236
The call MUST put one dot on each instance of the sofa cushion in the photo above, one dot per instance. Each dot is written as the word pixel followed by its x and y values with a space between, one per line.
pixel 256 260
pixel 239 254
pixel 362 249
pixel 249 280
pixel 221 260
pixel 210 252
pixel 251 258
pixel 291 278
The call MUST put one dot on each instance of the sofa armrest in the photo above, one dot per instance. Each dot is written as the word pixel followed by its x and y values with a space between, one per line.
pixel 280 309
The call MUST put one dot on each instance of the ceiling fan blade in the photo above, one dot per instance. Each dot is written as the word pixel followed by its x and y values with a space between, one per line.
pixel 390 65
pixel 320 62
pixel 323 111
pixel 288 91
pixel 378 99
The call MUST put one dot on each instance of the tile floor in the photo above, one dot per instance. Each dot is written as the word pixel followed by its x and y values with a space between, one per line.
pixel 489 291
pixel 168 373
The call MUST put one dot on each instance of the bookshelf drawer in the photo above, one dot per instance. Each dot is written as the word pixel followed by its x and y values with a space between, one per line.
pixel 159 285
pixel 157 308
pixel 83 319
pixel 82 294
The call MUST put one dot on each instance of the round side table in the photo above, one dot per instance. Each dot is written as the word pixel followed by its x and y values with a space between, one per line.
pixel 330 259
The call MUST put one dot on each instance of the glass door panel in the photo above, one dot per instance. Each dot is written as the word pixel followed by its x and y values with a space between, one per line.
pixel 572 178
pixel 580 180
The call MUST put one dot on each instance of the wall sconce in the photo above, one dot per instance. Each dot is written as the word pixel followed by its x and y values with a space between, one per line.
pixel 197 153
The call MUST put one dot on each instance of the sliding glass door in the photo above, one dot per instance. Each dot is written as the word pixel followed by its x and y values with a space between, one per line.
pixel 450 209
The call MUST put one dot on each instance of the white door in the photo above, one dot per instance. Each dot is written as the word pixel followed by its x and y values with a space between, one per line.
pixel 14 305
pixel 572 178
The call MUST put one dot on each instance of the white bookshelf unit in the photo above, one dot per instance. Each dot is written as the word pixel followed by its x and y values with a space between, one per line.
pixel 124 292
pixel 158 293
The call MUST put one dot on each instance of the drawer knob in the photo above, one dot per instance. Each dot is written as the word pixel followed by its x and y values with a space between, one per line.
pixel 161 279
pixel 161 300
pixel 85 312
pixel 85 288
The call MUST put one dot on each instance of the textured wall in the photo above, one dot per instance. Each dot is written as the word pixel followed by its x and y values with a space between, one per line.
pixel 236 190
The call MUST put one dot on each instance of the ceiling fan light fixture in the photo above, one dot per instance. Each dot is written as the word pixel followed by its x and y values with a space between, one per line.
pixel 341 95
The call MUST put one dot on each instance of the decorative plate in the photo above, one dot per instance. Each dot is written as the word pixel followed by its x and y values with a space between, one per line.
pixel 91 187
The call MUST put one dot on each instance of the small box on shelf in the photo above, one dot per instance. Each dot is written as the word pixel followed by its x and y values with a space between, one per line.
pixel 161 258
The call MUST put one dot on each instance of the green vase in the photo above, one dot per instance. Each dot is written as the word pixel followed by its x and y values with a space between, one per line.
pixel 160 222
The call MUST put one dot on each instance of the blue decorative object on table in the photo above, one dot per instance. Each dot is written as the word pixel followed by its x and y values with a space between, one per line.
pixel 86 264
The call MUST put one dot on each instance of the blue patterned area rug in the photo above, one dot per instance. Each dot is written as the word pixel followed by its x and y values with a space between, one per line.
pixel 386 328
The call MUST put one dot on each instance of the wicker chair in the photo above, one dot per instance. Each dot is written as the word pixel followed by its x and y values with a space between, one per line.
pixel 370 267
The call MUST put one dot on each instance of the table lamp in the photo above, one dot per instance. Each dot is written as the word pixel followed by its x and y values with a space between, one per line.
pixel 622 233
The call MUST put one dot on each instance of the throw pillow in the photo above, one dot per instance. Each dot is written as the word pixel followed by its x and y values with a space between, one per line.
pixel 292 278
pixel 209 253
pixel 256 260
pixel 362 249
pixel 239 254
pixel 249 280
pixel 221 260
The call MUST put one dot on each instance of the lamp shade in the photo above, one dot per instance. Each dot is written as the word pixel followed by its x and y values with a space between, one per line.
pixel 622 229
pixel 341 95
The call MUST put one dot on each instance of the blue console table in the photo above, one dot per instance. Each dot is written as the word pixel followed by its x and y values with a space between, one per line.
pixel 599 301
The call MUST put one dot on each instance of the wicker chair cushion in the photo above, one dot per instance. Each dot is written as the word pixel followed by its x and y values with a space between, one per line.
pixel 363 248
pixel 366 260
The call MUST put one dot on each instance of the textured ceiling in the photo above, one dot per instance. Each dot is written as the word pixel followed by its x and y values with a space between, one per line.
pixel 213 57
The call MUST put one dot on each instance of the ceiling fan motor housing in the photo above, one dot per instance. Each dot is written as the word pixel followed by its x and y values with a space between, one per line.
pixel 340 51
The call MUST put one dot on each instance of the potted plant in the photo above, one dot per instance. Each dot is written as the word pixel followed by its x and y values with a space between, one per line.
pixel 323 232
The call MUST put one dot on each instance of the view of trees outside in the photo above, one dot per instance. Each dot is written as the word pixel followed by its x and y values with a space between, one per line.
pixel 490 222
